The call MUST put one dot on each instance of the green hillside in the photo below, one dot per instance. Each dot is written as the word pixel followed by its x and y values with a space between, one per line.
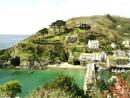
pixel 66 40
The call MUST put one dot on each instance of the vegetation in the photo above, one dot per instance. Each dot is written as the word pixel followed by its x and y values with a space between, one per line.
pixel 60 87
pixel 58 24
pixel 10 89
pixel 126 76
pixel 44 31
pixel 5 55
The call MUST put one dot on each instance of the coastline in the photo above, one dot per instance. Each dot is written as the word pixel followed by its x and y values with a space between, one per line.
pixel 63 65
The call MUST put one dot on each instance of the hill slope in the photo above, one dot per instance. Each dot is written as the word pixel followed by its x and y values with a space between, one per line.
pixel 66 41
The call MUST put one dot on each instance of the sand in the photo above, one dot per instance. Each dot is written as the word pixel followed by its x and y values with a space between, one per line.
pixel 66 65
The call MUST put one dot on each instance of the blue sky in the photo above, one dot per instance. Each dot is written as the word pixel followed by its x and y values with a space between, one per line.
pixel 28 16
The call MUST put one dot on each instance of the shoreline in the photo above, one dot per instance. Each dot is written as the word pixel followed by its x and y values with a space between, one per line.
pixel 63 65
pixel 66 66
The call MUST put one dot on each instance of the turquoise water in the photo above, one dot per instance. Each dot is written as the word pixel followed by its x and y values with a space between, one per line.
pixel 30 81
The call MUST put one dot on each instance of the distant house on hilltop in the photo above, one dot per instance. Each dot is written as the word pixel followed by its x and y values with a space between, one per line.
pixel 83 20
pixel 93 44
pixel 83 26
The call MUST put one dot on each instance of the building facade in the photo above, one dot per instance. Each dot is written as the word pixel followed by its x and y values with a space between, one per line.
pixel 93 56
pixel 93 44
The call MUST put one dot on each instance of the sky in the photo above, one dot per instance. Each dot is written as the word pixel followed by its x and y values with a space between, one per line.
pixel 28 16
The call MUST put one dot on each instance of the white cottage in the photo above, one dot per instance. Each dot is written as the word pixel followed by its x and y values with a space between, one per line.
pixel 113 45
pixel 93 44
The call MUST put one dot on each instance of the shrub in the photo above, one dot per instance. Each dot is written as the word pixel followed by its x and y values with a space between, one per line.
pixel 61 87
pixel 10 89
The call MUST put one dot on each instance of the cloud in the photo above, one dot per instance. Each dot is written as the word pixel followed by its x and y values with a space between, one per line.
pixel 25 19
pixel 28 17
pixel 91 7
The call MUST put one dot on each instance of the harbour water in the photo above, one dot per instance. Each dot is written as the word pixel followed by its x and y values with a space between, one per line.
pixel 30 81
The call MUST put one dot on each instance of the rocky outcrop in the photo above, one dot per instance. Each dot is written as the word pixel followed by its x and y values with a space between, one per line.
pixel 1 64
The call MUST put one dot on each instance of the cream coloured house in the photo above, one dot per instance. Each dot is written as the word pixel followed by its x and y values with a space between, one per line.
pixel 119 53
pixel 93 44
pixel 119 58
pixel 93 56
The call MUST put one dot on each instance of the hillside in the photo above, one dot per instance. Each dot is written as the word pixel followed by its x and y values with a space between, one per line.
pixel 66 40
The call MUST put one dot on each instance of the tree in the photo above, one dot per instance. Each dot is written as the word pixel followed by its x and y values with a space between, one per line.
pixel 64 56
pixel 10 89
pixel 5 55
pixel 44 31
pixel 66 84
pixel 58 24
pixel 103 87
pixel 35 57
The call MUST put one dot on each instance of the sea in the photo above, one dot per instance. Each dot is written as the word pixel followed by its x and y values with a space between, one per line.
pixel 7 41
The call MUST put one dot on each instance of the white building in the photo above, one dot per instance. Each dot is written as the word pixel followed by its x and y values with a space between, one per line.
pixel 113 45
pixel 126 43
pixel 93 44
pixel 93 56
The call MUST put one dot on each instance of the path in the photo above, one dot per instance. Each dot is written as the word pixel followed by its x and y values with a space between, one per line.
pixel 90 78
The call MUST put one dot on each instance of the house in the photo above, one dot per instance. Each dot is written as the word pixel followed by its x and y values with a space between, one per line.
pixel 119 58
pixel 118 26
pixel 93 44
pixel 126 43
pixel 113 45
pixel 83 26
pixel 93 56
pixel 119 53
pixel 71 38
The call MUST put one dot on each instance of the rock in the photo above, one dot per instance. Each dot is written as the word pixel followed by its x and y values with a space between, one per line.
pixel 1 64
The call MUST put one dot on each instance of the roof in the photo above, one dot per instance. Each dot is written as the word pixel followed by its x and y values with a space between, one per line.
pixel 90 53
pixel 94 41
pixel 122 57
pixel 112 57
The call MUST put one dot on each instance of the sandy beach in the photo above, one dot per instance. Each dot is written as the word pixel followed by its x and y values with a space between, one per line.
pixel 66 65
